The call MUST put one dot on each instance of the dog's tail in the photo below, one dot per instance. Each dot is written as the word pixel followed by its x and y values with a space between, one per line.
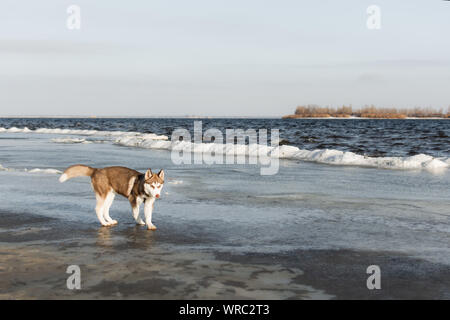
pixel 77 170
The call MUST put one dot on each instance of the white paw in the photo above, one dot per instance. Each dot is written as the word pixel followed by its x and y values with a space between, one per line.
pixel 141 223
pixel 113 222
pixel 151 227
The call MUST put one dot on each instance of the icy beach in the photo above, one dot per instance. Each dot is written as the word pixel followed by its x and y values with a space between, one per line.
pixel 311 230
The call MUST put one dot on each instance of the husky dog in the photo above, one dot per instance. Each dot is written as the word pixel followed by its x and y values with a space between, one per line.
pixel 131 184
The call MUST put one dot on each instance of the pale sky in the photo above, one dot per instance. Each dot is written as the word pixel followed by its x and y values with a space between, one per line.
pixel 220 58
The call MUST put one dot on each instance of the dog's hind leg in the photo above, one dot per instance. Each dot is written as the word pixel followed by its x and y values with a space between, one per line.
pixel 108 202
pixel 100 208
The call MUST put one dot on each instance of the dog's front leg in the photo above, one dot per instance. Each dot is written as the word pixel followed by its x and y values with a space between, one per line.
pixel 148 210
pixel 135 204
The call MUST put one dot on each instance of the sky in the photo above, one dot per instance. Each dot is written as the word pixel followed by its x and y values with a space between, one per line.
pixel 220 58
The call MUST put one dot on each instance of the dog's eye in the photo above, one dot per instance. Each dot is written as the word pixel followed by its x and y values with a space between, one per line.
pixel 153 187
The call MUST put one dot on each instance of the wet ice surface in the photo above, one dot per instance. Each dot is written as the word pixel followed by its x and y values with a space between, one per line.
pixel 230 209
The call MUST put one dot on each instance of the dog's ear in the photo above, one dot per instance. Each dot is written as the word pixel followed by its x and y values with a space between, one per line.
pixel 161 174
pixel 148 174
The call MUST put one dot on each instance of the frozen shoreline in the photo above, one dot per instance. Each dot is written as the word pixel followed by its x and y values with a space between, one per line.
pixel 325 156
pixel 311 229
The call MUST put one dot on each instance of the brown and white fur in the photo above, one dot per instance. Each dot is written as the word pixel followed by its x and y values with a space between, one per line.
pixel 138 188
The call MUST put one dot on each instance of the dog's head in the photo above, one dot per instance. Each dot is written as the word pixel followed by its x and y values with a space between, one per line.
pixel 153 183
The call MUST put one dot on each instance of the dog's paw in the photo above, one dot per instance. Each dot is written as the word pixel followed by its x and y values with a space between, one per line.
pixel 113 222
pixel 141 223
pixel 151 227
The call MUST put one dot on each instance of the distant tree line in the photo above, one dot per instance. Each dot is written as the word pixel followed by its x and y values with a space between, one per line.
pixel 315 111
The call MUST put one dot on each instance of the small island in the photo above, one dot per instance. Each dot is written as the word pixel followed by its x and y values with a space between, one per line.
pixel 315 111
